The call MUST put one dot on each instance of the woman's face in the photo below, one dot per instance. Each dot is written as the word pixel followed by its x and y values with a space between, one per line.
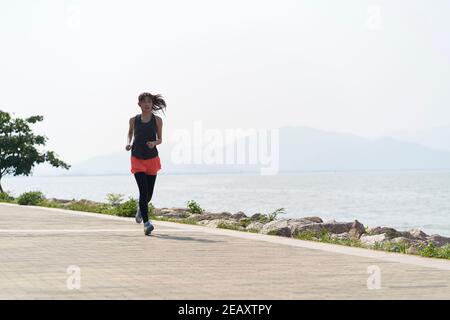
pixel 147 104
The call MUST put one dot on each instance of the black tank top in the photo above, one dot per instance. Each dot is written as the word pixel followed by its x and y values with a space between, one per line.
pixel 144 132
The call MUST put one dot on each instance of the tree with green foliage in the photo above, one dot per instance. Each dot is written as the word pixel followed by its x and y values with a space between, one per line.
pixel 18 153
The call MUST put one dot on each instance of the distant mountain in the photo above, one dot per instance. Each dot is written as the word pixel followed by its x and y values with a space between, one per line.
pixel 436 138
pixel 311 149
pixel 300 149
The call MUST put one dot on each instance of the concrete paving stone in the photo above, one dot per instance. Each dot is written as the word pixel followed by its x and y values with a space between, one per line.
pixel 181 261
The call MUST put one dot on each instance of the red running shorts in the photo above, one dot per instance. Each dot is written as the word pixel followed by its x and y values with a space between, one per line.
pixel 149 166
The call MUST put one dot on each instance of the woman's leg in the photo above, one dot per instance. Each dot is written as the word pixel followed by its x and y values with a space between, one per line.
pixel 143 194
pixel 151 186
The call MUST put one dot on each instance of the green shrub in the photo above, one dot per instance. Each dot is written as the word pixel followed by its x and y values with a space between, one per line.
pixel 430 250
pixel 114 199
pixel 31 198
pixel 127 209
pixel 194 207
pixel 244 222
pixel 273 215
pixel 443 252
pixel 6 197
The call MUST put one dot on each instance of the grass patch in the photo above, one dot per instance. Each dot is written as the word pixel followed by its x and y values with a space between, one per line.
pixel 399 247
pixel 50 204
pixel 184 220
pixel 324 236
pixel 432 251
pixel 230 226
pixel 428 250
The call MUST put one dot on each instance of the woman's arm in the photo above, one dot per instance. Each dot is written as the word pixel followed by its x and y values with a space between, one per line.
pixel 130 134
pixel 159 125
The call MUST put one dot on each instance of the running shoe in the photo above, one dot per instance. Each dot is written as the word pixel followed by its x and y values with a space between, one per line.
pixel 138 217
pixel 148 228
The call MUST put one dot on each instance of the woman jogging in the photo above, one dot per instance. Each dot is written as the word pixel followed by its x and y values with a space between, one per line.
pixel 146 128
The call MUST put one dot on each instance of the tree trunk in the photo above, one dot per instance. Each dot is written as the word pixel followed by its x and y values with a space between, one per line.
pixel 1 189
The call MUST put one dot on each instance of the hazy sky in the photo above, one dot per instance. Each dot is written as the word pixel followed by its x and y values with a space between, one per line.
pixel 365 67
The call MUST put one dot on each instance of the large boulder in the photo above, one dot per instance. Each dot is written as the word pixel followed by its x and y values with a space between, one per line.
pixel 239 215
pixel 255 225
pixel 215 223
pixel 333 227
pixel 313 219
pixel 372 240
pixel 418 234
pixel 84 202
pixel 225 214
pixel 277 227
pixel 199 217
pixel 60 200
pixel 390 233
pixel 306 227
pixel 210 216
pixel 357 230
pixel 163 211
pixel 438 240
pixel 341 236
pixel 289 227
pixel 176 213
pixel 337 227
pixel 211 223
pixel 257 216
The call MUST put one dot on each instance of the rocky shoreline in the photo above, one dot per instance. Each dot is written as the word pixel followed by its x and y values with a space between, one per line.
pixel 413 240
pixel 294 227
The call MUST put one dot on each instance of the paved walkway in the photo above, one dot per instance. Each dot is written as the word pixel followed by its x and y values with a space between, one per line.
pixel 52 253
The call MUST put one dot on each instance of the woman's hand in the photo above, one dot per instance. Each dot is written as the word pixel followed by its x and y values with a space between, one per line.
pixel 128 147
pixel 151 144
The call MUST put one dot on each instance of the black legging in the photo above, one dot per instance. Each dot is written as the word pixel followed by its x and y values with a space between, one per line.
pixel 146 184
